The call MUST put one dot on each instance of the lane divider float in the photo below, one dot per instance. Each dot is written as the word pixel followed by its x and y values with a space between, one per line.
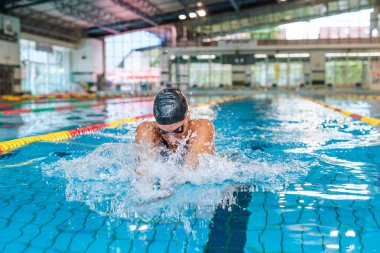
pixel 63 96
pixel 369 120
pixel 10 145
pixel 10 104
pixel 354 96
pixel 66 107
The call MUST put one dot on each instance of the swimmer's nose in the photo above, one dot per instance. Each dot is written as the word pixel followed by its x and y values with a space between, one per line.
pixel 172 139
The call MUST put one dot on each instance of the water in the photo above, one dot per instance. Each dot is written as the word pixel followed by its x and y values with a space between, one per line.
pixel 288 176
pixel 21 125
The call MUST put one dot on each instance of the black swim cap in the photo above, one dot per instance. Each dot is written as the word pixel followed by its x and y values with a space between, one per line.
pixel 170 106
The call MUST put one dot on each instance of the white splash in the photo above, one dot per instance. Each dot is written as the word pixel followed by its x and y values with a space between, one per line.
pixel 106 180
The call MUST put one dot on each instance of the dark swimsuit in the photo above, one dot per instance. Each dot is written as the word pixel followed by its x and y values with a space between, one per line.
pixel 165 153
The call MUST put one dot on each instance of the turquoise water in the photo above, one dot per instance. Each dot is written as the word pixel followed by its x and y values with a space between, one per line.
pixel 288 176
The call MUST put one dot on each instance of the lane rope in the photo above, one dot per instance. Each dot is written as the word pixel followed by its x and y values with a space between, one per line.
pixel 10 145
pixel 67 107
pixel 365 119
pixel 13 105
pixel 63 96
pixel 353 96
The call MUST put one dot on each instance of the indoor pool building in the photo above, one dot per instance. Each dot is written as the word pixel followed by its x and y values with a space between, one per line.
pixel 189 126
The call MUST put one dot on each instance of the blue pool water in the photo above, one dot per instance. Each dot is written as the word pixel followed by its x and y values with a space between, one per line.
pixel 288 176
pixel 21 125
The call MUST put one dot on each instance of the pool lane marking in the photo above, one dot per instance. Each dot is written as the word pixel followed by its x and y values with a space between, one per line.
pixel 10 104
pixel 66 107
pixel 233 238
pixel 22 163
pixel 369 120
pixel 65 96
pixel 354 96
pixel 44 97
pixel 7 146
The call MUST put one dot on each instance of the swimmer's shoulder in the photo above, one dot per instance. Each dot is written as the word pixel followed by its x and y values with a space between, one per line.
pixel 202 137
pixel 146 126
pixel 205 124
pixel 146 131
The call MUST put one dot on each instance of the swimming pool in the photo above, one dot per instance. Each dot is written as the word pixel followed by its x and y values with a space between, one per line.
pixel 288 176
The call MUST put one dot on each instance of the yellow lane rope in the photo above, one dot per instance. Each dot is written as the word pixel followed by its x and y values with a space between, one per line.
pixel 353 96
pixel 369 120
pixel 7 146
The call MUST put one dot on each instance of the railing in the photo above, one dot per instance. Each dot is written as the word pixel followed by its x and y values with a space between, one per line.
pixel 320 41
pixel 370 40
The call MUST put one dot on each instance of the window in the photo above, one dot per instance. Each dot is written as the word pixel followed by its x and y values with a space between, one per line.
pixel 44 69
pixel 133 58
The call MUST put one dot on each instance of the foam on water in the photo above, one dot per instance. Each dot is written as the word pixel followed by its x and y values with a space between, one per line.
pixel 106 180
pixel 110 182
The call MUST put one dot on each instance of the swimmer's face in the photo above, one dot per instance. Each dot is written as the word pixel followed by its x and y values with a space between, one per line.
pixel 173 132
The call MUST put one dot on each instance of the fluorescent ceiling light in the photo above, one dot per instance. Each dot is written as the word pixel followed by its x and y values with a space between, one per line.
pixel 205 57
pixel 182 17
pixel 359 54
pixel 201 13
pixel 192 15
pixel 260 56
pixel 295 55
pixel 185 57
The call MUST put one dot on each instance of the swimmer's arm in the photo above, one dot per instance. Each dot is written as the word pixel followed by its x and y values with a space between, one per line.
pixel 201 142
pixel 145 136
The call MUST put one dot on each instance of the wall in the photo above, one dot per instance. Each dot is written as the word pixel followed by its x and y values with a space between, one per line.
pixel 165 64
pixel 87 61
pixel 9 54
pixel 317 65
pixel 46 41
pixel 374 73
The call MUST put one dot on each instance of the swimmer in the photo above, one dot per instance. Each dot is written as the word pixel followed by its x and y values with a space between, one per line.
pixel 173 126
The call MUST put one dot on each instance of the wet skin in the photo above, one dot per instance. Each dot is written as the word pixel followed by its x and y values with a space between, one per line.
pixel 198 133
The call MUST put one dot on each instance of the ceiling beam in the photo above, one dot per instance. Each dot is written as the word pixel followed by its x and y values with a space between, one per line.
pixel 31 24
pixel 136 11
pixel 36 28
pixel 166 18
pixel 272 17
pixel 183 3
pixel 8 1
pixel 235 5
pixel 42 17
pixel 146 6
pixel 14 5
pixel 87 12
pixel 172 17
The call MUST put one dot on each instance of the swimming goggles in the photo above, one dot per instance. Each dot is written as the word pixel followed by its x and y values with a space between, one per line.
pixel 179 130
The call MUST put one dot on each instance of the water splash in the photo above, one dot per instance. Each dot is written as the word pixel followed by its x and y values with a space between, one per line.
pixel 107 180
